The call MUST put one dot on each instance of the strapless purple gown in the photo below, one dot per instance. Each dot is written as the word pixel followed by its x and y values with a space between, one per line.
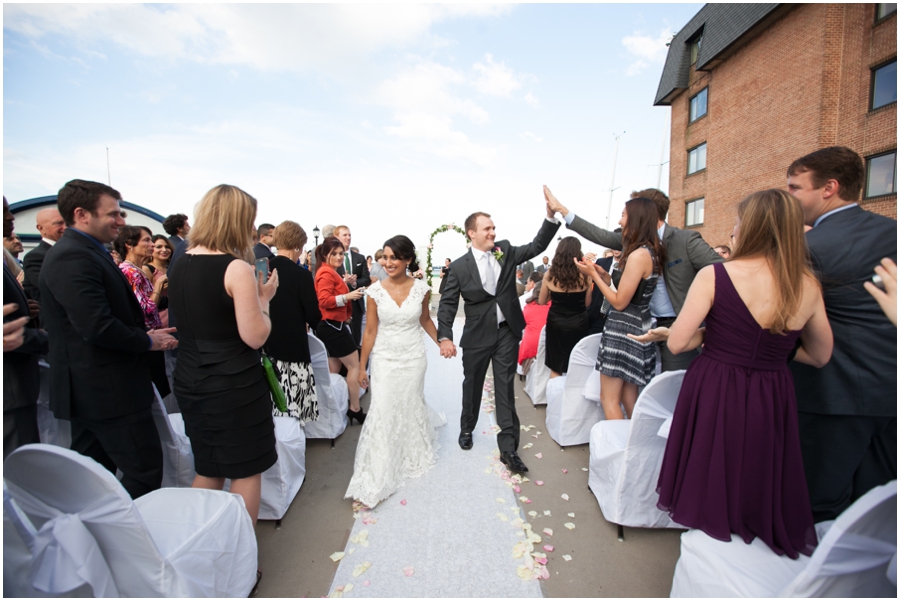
pixel 732 462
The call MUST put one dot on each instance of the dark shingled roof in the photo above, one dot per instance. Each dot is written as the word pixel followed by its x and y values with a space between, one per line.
pixel 722 25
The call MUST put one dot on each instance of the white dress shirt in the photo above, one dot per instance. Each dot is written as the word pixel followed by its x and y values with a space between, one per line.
pixel 483 263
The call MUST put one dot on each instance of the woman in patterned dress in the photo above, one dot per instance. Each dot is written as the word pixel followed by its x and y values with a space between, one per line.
pixel 626 364
pixel 135 245
pixel 294 309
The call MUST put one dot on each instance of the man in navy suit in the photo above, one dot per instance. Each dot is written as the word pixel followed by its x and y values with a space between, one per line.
pixel 99 373
pixel 848 408
pixel 51 226
pixel 177 227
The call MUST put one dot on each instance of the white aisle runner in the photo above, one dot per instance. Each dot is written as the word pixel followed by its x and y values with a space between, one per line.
pixel 448 531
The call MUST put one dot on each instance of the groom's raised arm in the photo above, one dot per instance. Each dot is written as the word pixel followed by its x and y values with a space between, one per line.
pixel 448 306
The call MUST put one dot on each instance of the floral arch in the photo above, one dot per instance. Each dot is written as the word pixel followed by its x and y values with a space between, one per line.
pixel 440 230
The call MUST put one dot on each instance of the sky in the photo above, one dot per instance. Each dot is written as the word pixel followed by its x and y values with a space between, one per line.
pixel 392 119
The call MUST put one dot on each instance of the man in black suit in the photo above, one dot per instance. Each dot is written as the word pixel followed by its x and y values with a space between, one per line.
pixel 848 408
pixel 266 236
pixel 355 272
pixel 99 374
pixel 485 277
pixel 51 226
pixel 686 254
pixel 177 227
pixel 21 374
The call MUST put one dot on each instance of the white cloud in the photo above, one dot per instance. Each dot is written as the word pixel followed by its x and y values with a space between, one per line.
pixel 646 50
pixel 429 87
pixel 527 135
pixel 435 134
pixel 495 79
pixel 532 101
pixel 271 37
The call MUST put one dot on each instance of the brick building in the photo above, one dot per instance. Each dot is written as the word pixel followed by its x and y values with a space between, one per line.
pixel 754 86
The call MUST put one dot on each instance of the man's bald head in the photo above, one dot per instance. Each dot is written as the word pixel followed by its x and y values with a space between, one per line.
pixel 50 224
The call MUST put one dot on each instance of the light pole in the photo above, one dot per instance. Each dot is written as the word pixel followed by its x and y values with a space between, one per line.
pixel 316 233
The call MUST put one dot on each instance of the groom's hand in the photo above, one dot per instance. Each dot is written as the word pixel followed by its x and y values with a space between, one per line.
pixel 448 349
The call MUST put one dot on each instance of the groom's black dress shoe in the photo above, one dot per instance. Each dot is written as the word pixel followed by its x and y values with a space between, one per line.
pixel 513 462
pixel 465 440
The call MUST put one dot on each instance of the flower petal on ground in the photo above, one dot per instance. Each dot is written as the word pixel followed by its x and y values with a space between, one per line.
pixel 565 471
pixel 337 556
pixel 539 482
pixel 571 514
pixel 548 548
pixel 548 531
pixel 546 512
pixel 517 488
pixel 502 517
pixel 366 582
pixel 499 500
pixel 403 501
pixel 409 570
pixel 584 469
pixel 569 525
pixel 348 587
pixel 564 497
pixel 351 551
pixel 539 455
pixel 567 557
pixel 533 514
pixel 528 446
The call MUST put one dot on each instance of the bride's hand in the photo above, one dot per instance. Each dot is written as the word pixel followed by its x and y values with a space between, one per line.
pixel 363 379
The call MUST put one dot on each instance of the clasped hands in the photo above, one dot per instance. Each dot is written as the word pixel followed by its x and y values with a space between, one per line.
pixel 448 349
pixel 162 339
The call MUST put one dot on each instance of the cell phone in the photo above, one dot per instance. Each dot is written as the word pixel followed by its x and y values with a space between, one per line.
pixel 262 266
pixel 879 283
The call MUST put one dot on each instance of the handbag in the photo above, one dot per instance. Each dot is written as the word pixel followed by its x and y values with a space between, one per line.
pixel 274 385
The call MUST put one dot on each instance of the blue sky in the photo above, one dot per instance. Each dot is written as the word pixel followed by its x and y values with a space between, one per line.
pixel 391 119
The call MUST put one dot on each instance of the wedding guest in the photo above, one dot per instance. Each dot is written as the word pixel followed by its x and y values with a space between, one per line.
pixel 724 251
pixel 530 288
pixel 356 275
pixel 264 233
pixel 599 308
pixel 733 461
pixel 135 245
pixel 223 318
pixel 544 266
pixel 335 300
pixel 625 364
pixel 847 409
pixel 294 310
pixel 14 246
pixel 369 262
pixel 570 291
pixel 50 224
pixel 535 319
pixel 156 268
pixel 687 253
pixel 377 273
pixel 177 227
pixel 444 270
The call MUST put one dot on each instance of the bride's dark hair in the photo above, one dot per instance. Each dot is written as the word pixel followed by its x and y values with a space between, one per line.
pixel 404 249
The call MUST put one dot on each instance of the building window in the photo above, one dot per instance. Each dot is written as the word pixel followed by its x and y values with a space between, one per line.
pixel 697 159
pixel 883 9
pixel 881 175
pixel 693 212
pixel 698 104
pixel 884 84
pixel 695 48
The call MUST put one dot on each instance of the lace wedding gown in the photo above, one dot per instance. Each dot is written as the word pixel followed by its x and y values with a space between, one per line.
pixel 398 439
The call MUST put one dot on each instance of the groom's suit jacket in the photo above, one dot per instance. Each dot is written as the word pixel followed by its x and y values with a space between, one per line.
pixel 480 306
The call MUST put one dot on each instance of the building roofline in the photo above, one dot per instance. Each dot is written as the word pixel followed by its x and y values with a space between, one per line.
pixel 41 201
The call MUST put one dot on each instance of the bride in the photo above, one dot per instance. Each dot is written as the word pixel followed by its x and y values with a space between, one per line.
pixel 398 440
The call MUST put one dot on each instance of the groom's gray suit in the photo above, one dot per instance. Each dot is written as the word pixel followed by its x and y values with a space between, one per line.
pixel 483 341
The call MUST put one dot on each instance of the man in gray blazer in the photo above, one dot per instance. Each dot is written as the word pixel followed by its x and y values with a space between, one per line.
pixel 848 408
pixel 687 253
pixel 485 277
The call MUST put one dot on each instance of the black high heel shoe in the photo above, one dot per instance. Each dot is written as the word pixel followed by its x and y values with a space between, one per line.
pixel 359 416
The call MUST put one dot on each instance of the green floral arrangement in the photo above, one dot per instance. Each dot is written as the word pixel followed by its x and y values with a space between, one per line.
pixel 444 228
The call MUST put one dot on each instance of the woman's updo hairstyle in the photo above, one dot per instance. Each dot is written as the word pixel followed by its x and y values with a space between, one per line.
pixel 404 249
pixel 129 235
pixel 328 245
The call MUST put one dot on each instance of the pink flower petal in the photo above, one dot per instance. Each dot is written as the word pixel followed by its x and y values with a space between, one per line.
pixel 366 583
pixel 539 482
pixel 539 455
pixel 565 471
pixel 548 548
pixel 517 488
pixel 403 501
pixel 541 560
pixel 409 570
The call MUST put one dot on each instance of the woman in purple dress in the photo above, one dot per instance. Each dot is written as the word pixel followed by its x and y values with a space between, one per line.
pixel 732 462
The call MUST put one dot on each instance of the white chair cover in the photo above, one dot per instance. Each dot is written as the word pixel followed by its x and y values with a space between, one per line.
pixel 178 459
pixel 332 394
pixel 51 430
pixel 171 542
pixel 280 483
pixel 626 456
pixel 570 416
pixel 851 560
pixel 539 375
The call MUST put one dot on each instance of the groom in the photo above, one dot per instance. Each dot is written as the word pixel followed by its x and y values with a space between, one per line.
pixel 486 278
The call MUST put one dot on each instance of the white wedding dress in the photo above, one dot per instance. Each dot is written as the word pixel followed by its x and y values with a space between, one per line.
pixel 398 439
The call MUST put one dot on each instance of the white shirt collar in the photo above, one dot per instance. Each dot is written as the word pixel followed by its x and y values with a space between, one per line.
pixel 832 212
pixel 48 241
pixel 479 253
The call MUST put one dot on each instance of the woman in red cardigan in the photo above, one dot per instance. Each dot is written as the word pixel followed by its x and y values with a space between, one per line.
pixel 334 303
